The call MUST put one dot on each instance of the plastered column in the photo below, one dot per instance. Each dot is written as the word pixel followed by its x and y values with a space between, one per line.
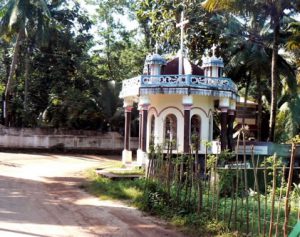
pixel 187 102
pixel 224 105
pixel 140 129
pixel 231 118
pixel 142 156
pixel 144 134
pixel 127 153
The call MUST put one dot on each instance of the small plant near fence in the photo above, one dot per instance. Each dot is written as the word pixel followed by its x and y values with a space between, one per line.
pixel 250 200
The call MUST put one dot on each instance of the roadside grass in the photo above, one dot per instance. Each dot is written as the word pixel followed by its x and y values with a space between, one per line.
pixel 104 188
pixel 116 167
pixel 133 193
pixel 112 164
pixel 134 171
pixel 177 206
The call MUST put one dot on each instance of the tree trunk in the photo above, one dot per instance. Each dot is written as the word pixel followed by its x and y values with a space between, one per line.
pixel 259 107
pixel 12 70
pixel 274 77
pixel 7 62
pixel 26 77
pixel 246 98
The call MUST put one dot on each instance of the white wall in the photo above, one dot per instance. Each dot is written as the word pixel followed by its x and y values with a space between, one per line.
pixel 28 139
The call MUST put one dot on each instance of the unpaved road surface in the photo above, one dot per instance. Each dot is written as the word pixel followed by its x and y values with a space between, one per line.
pixel 40 196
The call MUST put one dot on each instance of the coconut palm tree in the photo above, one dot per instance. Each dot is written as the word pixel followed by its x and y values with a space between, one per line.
pixel 293 43
pixel 275 10
pixel 21 19
pixel 249 59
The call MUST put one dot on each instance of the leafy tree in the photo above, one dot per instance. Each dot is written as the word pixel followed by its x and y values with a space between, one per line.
pixel 275 11
pixel 159 19
pixel 250 61
pixel 119 55
pixel 20 20
pixel 243 31
pixel 60 70
pixel 69 84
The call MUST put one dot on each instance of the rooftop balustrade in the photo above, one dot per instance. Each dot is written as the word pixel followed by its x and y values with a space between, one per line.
pixel 131 87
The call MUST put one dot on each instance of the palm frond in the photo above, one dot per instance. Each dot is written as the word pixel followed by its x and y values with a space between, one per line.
pixel 289 74
pixel 215 5
pixel 5 13
pixel 42 5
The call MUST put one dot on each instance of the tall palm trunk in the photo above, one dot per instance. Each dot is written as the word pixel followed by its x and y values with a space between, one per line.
pixel 246 98
pixel 14 62
pixel 274 77
pixel 259 107
pixel 26 79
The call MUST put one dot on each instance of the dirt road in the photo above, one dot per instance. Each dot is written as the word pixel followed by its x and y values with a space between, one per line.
pixel 40 196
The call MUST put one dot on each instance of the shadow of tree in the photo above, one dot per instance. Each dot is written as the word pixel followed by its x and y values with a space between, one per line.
pixel 59 202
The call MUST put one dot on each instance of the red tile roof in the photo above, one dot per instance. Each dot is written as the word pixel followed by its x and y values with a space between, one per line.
pixel 171 68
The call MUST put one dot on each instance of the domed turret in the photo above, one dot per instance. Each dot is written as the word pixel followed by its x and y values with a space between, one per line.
pixel 153 64
pixel 213 66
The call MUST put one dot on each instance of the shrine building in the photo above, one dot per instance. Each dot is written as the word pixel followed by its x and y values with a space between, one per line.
pixel 176 100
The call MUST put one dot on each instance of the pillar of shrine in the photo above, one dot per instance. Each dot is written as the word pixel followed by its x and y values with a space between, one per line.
pixel 231 118
pixel 187 102
pixel 224 106
pixel 144 103
pixel 127 153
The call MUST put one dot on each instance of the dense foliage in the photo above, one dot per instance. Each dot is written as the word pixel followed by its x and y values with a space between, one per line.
pixel 62 67
pixel 253 37
pixel 72 78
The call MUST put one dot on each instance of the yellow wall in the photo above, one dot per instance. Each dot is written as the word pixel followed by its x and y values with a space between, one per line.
pixel 162 105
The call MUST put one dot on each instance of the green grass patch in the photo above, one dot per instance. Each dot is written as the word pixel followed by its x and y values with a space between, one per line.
pixel 134 171
pixel 152 200
pixel 112 164
pixel 105 188
pixel 117 168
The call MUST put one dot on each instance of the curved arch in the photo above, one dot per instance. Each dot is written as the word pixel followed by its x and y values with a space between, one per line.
pixel 154 109
pixel 201 110
pixel 170 107
pixel 170 129
pixel 206 127
pixel 210 113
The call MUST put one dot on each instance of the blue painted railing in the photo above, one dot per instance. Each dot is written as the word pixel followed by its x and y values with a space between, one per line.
pixel 131 86
pixel 188 80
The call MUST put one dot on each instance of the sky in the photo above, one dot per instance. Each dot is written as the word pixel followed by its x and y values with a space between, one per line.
pixel 91 9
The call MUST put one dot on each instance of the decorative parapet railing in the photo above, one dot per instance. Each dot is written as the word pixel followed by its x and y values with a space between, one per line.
pixel 131 86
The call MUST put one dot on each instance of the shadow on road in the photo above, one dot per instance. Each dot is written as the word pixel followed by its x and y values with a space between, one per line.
pixel 59 202
pixel 22 232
